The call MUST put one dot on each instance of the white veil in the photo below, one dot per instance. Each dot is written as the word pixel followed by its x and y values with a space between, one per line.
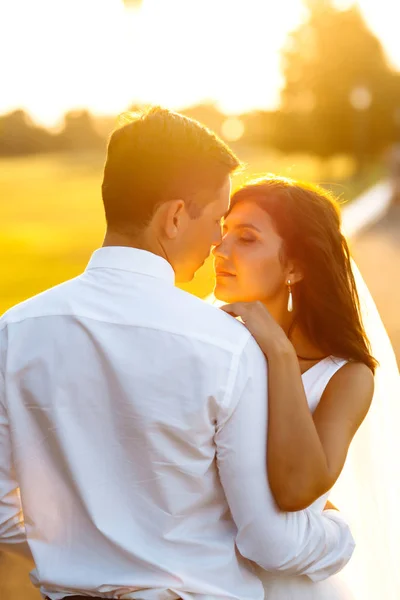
pixel 368 490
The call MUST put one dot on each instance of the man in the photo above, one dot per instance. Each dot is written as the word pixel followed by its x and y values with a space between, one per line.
pixel 134 416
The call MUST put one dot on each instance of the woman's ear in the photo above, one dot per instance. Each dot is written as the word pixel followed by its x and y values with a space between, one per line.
pixel 294 273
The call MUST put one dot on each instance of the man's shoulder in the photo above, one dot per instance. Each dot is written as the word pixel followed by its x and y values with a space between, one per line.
pixel 202 319
pixel 47 303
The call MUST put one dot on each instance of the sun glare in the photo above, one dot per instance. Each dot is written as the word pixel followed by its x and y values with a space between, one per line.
pixel 104 56
pixel 210 51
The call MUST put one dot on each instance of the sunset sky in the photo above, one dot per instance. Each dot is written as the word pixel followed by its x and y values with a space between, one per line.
pixel 63 54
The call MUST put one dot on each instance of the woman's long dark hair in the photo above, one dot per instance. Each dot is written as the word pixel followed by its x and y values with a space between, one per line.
pixel 326 302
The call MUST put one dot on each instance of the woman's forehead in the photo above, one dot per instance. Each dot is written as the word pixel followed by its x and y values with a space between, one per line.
pixel 248 211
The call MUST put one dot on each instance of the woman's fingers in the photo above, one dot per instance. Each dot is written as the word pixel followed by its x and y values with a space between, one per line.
pixel 250 309
pixel 236 309
pixel 256 317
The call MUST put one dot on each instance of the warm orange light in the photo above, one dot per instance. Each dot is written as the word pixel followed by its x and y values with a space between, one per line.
pixel 107 55
pixel 232 129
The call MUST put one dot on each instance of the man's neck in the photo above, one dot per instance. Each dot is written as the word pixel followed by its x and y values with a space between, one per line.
pixel 114 238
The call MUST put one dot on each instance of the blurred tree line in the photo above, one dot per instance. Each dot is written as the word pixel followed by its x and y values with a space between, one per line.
pixel 341 96
pixel 19 135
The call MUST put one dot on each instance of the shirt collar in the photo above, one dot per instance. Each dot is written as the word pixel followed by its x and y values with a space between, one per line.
pixel 125 258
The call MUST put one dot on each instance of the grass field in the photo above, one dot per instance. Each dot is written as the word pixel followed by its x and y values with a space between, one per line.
pixel 52 219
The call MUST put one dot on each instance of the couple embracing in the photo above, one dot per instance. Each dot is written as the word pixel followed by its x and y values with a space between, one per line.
pixel 157 447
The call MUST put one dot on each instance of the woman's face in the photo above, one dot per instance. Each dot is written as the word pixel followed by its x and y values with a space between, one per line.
pixel 248 266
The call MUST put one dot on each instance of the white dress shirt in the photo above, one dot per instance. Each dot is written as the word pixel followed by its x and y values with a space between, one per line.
pixel 133 427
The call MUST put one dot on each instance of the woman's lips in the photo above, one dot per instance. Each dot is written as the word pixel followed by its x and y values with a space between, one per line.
pixel 224 274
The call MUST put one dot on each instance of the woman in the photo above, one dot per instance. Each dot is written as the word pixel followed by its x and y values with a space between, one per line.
pixel 284 268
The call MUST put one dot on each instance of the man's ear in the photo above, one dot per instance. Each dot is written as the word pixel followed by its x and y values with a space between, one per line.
pixel 172 217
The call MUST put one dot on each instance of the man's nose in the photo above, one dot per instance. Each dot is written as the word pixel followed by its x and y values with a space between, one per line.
pixel 220 249
pixel 217 238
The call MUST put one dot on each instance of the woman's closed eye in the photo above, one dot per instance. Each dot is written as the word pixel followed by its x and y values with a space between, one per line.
pixel 247 238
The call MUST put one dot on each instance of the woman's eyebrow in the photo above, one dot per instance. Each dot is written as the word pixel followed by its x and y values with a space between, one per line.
pixel 244 226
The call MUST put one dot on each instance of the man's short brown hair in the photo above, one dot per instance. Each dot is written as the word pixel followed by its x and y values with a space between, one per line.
pixel 159 156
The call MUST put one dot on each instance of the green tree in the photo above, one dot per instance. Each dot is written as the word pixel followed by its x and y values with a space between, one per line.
pixel 19 135
pixel 79 132
pixel 341 95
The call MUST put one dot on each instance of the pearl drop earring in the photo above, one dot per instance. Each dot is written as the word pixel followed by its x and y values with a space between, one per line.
pixel 290 299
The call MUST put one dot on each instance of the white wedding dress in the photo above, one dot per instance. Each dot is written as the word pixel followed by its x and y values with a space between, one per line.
pixel 279 586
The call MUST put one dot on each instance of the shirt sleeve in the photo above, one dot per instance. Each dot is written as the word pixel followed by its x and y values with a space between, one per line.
pixel 12 529
pixel 299 543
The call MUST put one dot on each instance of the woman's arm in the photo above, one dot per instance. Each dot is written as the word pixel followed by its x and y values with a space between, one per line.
pixel 306 452
pixel 298 543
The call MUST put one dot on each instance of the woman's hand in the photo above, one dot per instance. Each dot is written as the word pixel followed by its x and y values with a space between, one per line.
pixel 268 334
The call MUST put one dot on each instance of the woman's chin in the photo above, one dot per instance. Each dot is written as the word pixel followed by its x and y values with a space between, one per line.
pixel 223 293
